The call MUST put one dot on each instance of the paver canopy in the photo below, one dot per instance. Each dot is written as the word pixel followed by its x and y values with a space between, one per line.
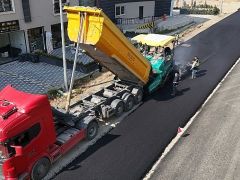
pixel 153 39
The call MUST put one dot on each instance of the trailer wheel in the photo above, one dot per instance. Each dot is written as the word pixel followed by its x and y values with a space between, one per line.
pixel 128 100
pixel 138 95
pixel 118 105
pixel 92 130
pixel 40 169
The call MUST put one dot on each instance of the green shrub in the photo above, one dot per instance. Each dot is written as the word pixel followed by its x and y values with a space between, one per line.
pixel 203 9
pixel 54 93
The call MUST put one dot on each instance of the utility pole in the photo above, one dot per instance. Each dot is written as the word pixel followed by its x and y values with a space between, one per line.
pixel 63 47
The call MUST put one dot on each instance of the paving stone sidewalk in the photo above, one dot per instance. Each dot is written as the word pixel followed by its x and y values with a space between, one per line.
pixel 34 77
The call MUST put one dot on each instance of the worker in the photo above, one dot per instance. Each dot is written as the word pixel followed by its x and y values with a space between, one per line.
pixel 195 66
pixel 175 83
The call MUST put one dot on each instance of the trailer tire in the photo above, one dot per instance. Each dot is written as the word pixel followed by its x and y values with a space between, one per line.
pixel 40 169
pixel 118 106
pixel 138 95
pixel 128 100
pixel 92 130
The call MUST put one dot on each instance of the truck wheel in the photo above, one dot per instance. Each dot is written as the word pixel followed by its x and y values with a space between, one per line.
pixel 138 95
pixel 40 169
pixel 128 100
pixel 92 130
pixel 118 106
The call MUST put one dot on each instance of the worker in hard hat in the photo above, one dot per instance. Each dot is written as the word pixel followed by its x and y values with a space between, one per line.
pixel 175 84
pixel 195 66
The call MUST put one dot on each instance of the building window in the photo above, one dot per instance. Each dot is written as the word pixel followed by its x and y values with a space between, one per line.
pixel 120 10
pixel 36 39
pixel 6 5
pixel 56 35
pixel 56 7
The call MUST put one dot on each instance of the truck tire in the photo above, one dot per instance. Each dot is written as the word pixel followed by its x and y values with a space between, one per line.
pixel 118 106
pixel 128 100
pixel 92 130
pixel 138 95
pixel 40 169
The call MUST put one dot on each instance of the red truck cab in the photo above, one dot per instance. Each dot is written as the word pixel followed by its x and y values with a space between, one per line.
pixel 29 141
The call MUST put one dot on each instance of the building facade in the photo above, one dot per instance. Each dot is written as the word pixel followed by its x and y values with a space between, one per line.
pixel 24 25
pixel 30 25
pixel 135 8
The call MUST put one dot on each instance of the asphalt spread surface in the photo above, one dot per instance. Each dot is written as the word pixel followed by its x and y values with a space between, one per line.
pixel 129 150
pixel 209 148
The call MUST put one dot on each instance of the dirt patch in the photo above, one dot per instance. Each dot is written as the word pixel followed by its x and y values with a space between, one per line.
pixel 85 87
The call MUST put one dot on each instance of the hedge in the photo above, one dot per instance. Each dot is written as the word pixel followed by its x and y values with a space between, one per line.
pixel 208 11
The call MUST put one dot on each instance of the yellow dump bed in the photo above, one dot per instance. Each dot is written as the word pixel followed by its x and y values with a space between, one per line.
pixel 105 43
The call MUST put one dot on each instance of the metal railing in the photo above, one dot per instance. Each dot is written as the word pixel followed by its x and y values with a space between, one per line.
pixel 128 21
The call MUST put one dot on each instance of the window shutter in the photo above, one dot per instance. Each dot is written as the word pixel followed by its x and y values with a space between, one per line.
pixel 26 11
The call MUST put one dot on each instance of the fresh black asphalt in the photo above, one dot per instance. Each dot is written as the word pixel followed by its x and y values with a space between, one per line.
pixel 129 150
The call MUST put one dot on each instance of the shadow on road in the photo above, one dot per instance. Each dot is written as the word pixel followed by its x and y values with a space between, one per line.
pixel 165 93
pixel 201 73
pixel 91 150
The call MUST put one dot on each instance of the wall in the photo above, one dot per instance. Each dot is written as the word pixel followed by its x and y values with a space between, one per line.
pixel 132 9
pixel 41 12
pixel 109 6
pixel 42 15
pixel 161 6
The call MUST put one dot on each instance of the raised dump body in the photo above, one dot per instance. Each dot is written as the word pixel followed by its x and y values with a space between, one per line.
pixel 105 43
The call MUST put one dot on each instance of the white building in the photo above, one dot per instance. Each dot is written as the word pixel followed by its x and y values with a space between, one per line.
pixel 24 25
